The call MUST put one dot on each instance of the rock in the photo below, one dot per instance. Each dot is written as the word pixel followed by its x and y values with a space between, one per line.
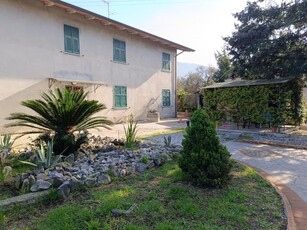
pixel 122 173
pixel 90 182
pixel 57 182
pixel 42 176
pixel 64 190
pixel 104 179
pixel 130 170
pixel 18 182
pixel 151 164
pixel 92 156
pixel 140 167
pixel 70 158
pixel 25 187
pixel 38 171
pixel 59 169
pixel 55 174
pixel 158 162
pixel 75 184
pixel 32 181
pixel 84 172
pixel 72 169
pixel 40 185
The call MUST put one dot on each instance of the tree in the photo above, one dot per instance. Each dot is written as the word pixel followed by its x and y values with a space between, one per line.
pixel 225 69
pixel 270 41
pixel 188 86
pixel 61 114
pixel 203 160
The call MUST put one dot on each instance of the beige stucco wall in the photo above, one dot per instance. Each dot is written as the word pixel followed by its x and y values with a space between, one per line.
pixel 32 50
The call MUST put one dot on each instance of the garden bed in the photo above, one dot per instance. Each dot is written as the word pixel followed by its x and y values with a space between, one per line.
pixel 162 201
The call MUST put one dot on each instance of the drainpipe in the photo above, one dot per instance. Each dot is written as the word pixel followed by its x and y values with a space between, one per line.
pixel 175 81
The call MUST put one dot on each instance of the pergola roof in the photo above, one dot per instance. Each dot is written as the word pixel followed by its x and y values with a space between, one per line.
pixel 72 9
pixel 246 83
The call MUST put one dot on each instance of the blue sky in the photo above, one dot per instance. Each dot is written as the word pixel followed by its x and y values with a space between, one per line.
pixel 198 24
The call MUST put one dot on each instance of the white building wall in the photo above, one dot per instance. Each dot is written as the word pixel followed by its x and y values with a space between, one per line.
pixel 32 50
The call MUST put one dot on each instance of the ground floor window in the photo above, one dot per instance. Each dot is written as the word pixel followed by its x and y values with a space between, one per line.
pixel 120 96
pixel 166 97
pixel 74 88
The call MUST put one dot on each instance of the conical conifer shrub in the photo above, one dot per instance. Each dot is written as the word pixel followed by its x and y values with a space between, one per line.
pixel 203 160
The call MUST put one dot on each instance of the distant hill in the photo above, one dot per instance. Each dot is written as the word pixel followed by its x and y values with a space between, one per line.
pixel 185 68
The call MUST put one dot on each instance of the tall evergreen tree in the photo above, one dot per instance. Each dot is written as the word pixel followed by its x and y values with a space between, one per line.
pixel 270 42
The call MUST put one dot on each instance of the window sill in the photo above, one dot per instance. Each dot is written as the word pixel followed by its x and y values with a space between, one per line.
pixel 72 54
pixel 118 62
pixel 120 108
pixel 165 71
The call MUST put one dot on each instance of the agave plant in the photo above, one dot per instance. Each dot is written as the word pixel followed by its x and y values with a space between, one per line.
pixel 60 114
pixel 6 143
pixel 44 157
pixel 130 132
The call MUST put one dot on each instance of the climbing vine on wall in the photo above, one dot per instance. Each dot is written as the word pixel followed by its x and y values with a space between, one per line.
pixel 274 104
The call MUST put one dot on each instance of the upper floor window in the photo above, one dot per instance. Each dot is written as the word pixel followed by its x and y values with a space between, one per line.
pixel 120 96
pixel 166 61
pixel 119 51
pixel 71 39
pixel 166 97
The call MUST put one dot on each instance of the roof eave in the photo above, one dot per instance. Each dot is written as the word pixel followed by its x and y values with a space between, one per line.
pixel 72 9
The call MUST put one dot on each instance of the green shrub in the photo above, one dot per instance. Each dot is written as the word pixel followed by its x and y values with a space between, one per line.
pixel 60 115
pixel 203 160
pixel 144 159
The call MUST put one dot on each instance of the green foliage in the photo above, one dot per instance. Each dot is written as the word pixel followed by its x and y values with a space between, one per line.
pixel 45 157
pixel 130 132
pixel 164 202
pixel 61 114
pixel 3 220
pixel 144 159
pixel 167 141
pixel 270 41
pixel 93 225
pixel 6 143
pixel 225 68
pixel 203 160
pixel 188 86
pixel 270 104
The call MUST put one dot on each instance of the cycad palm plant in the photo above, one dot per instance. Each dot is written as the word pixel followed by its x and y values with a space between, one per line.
pixel 60 114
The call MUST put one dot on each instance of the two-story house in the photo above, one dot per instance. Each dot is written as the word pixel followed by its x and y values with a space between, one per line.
pixel 50 43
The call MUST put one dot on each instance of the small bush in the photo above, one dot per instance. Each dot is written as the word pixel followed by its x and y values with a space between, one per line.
pixel 144 159
pixel 203 160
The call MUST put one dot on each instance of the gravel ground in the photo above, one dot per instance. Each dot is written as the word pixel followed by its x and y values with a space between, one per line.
pixel 232 135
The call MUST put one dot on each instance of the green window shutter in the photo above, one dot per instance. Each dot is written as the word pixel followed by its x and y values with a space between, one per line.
pixel 120 96
pixel 119 51
pixel 166 97
pixel 166 61
pixel 71 39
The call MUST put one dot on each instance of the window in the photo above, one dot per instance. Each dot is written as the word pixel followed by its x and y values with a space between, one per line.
pixel 166 62
pixel 71 39
pixel 74 88
pixel 166 97
pixel 120 96
pixel 119 51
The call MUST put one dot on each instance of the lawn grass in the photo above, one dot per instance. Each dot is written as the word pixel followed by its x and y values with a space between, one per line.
pixel 163 202
pixel 171 131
